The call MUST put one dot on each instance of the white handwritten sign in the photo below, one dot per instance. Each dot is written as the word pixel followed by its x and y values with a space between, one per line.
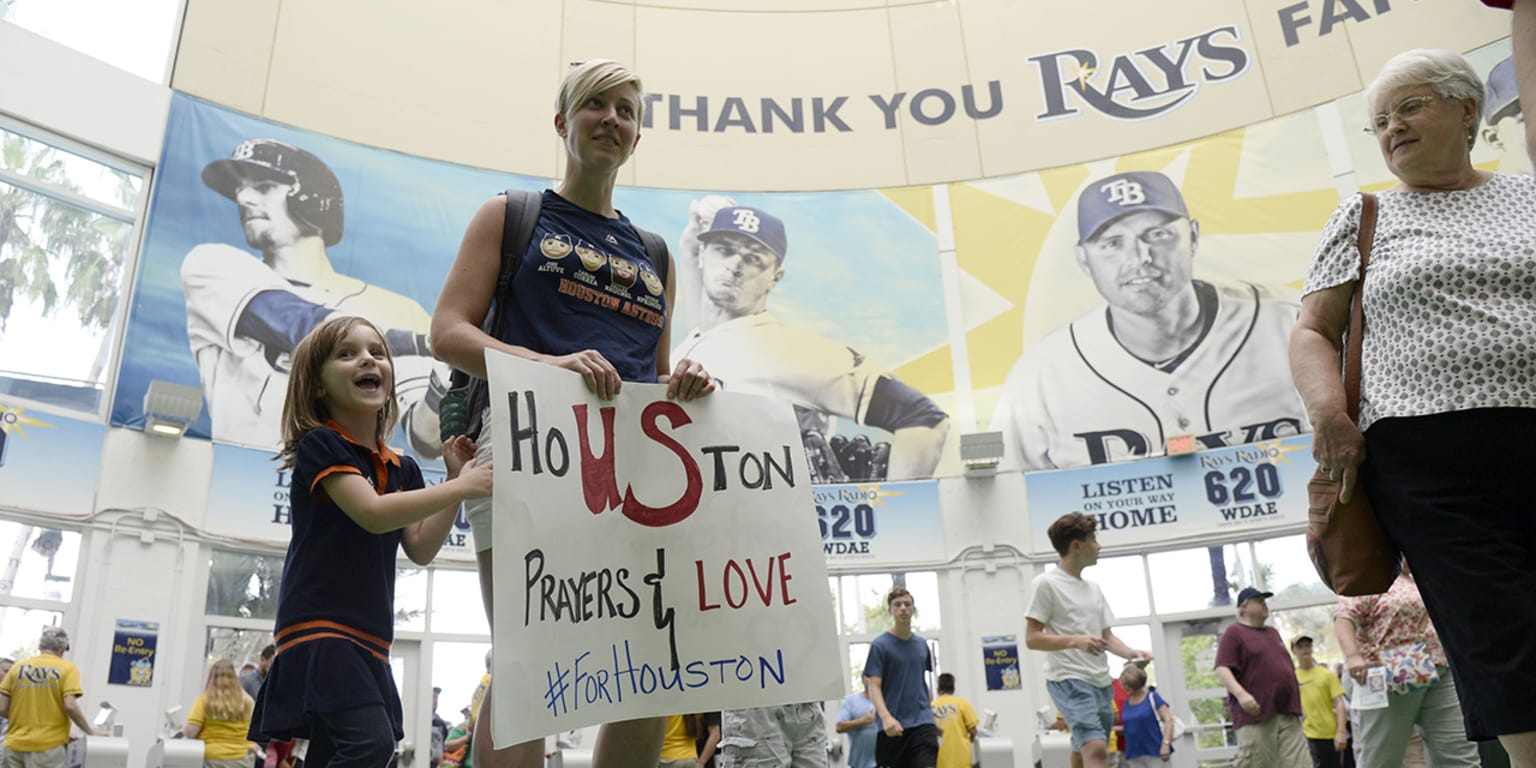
pixel 652 556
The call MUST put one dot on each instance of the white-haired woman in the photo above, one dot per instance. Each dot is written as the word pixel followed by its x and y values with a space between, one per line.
pixel 597 116
pixel 1448 400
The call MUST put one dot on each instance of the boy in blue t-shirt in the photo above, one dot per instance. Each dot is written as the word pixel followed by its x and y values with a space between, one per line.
pixel 895 676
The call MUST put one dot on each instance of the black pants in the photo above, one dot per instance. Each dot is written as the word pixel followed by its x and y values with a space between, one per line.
pixel 1453 491
pixel 360 737
pixel 916 747
pixel 1323 753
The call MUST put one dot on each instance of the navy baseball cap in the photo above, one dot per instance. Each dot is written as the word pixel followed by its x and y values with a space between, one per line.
pixel 753 223
pixel 1250 593
pixel 1503 99
pixel 1112 197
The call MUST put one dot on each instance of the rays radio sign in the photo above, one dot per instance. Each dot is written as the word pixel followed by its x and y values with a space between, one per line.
pixel 1143 84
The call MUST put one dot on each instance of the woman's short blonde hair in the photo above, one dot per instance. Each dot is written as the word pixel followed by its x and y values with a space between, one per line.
pixel 586 79
pixel 1447 72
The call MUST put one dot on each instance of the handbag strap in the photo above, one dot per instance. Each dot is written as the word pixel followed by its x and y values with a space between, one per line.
pixel 1357 309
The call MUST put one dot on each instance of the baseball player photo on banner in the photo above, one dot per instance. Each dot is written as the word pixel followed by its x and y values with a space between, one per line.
pixel 1134 300
pixel 654 556
pixel 258 231
pixel 826 302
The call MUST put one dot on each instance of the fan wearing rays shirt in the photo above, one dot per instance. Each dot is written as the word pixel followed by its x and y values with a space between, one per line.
pixel 1167 355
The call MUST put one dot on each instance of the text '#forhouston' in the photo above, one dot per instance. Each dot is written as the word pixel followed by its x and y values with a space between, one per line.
pixel 597 678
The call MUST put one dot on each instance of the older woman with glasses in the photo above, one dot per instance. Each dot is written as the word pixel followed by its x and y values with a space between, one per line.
pixel 1448 401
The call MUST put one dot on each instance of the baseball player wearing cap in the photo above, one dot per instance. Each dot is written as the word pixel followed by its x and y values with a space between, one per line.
pixel 245 316
pixel 1169 355
pixel 734 255
pixel 1264 699
pixel 41 696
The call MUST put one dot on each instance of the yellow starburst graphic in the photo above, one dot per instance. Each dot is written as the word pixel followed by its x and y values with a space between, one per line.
pixel 877 496
pixel 14 420
pixel 1278 452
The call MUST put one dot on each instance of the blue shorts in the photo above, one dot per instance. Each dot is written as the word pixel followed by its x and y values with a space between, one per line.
pixel 1088 709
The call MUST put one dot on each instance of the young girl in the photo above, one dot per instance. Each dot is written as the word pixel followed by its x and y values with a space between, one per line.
pixel 220 716
pixel 354 503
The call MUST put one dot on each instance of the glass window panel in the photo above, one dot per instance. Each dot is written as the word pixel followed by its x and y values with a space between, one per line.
pixel 1287 569
pixel 241 646
pixel 40 563
pixel 59 298
pixel 863 603
pixel 1124 583
pixel 243 584
pixel 1138 636
pixel 411 599
pixel 1197 652
pixel 1195 579
pixel 20 629
pixel 456 604
pixel 136 36
pixel 858 653
pixel 61 168
pixel 1315 622
pixel 924 586
pixel 457 668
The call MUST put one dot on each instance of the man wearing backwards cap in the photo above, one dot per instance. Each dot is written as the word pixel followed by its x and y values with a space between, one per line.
pixel 734 255
pixel 1169 354
pixel 1264 700
pixel 244 315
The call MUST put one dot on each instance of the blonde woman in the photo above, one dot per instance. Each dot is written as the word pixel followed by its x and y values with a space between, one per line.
pixel 220 716
pixel 597 117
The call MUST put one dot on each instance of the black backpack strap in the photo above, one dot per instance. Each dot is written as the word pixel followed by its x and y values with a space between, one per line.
pixel 656 248
pixel 516 233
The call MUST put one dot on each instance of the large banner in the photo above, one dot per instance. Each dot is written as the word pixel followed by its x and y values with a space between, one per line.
pixel 48 463
pixel 823 94
pixel 652 557
pixel 1231 491
pixel 1127 302
pixel 258 230
pixel 880 524
pixel 249 500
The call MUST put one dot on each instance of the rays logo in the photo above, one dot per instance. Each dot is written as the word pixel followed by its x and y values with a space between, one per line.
pixel 746 220
pixel 1124 192
pixel 1130 90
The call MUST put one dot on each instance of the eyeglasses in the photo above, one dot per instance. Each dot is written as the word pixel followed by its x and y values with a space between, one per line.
pixel 1405 109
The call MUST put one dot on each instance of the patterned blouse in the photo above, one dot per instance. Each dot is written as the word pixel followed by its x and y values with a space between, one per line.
pixel 1450 297
pixel 1390 620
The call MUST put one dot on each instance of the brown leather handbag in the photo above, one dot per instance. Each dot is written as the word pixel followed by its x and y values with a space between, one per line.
pixel 1348 547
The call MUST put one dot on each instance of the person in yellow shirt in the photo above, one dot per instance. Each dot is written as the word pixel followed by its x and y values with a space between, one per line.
pixel 40 696
pixel 1322 706
pixel 220 717
pixel 678 749
pixel 957 725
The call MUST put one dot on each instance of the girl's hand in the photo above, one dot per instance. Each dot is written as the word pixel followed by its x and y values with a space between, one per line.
pixel 475 479
pixel 458 451
pixel 688 381
pixel 1165 751
pixel 599 374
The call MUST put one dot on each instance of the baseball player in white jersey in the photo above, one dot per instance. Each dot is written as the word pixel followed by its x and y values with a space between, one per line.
pixel 244 316
pixel 731 259
pixel 1169 355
